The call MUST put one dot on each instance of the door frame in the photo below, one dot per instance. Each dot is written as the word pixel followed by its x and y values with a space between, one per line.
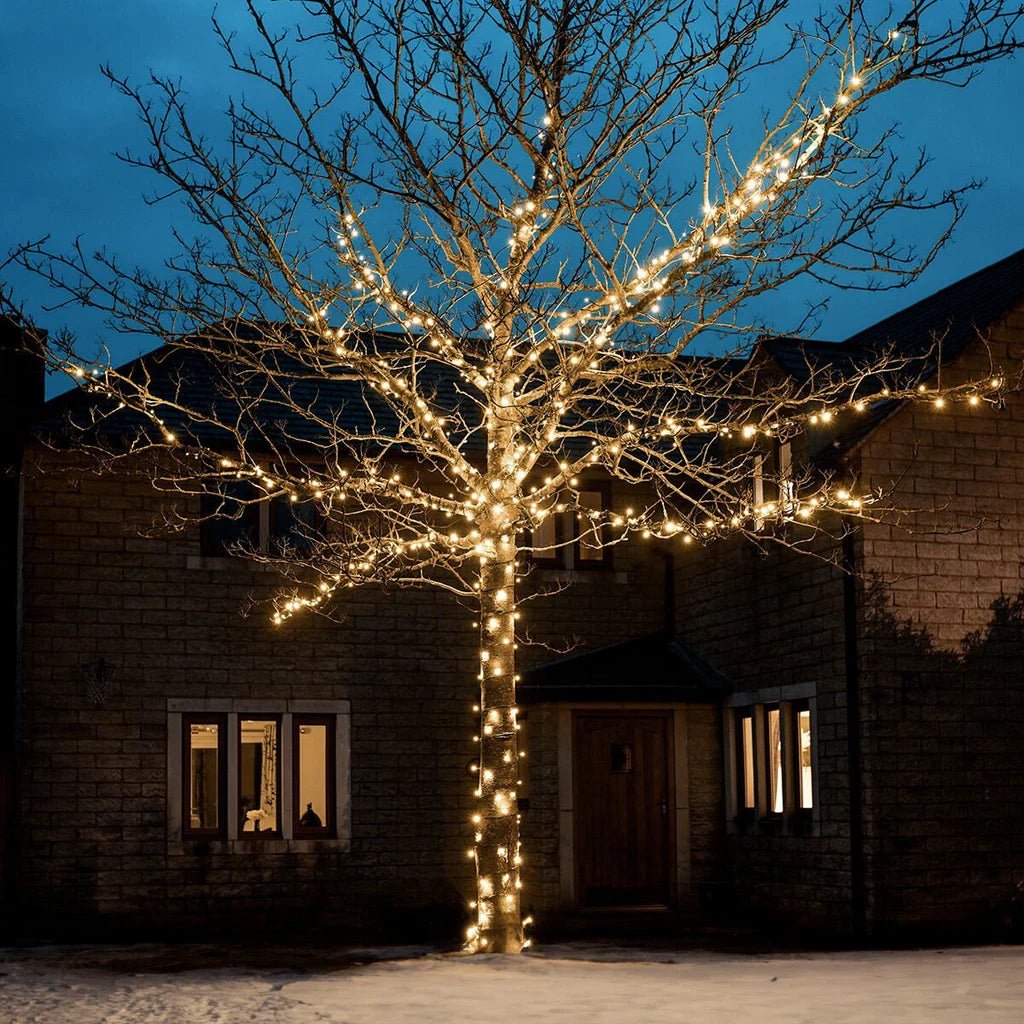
pixel 679 804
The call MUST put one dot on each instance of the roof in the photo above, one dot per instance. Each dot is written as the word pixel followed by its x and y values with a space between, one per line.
pixel 654 668
pixel 956 315
pixel 958 312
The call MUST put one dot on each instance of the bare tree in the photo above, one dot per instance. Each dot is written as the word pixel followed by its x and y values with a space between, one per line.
pixel 498 232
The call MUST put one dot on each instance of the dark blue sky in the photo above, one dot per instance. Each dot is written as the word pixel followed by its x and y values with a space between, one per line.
pixel 62 124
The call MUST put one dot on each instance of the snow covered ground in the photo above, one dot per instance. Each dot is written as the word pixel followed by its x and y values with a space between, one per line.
pixel 562 984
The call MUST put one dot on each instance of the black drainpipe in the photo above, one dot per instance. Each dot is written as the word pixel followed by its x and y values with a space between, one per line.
pixel 858 907
pixel 668 623
pixel 21 372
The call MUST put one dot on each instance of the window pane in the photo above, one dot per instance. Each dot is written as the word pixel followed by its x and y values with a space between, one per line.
pixel 543 539
pixel 803 730
pixel 312 784
pixel 228 522
pixel 590 539
pixel 257 776
pixel 747 761
pixel 204 776
pixel 775 796
pixel 294 525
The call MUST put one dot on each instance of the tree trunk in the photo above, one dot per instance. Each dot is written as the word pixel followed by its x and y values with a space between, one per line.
pixel 499 927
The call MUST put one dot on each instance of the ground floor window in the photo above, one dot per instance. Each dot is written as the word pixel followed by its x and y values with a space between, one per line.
pixel 770 762
pixel 238 772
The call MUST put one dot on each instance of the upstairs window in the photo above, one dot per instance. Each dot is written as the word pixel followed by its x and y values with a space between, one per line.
pixel 575 539
pixel 229 520
pixel 234 522
pixel 591 529
pixel 773 475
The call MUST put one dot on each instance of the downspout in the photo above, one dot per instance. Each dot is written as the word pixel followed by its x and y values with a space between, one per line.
pixel 858 903
pixel 668 622
pixel 23 376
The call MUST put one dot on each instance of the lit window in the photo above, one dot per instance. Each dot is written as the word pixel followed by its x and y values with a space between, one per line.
pixel 746 794
pixel 805 770
pixel 259 777
pixel 773 727
pixel 313 751
pixel 203 773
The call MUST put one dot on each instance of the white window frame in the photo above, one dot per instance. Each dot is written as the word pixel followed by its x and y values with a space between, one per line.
pixel 235 709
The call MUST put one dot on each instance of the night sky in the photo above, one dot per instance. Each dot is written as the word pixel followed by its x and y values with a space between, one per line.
pixel 63 123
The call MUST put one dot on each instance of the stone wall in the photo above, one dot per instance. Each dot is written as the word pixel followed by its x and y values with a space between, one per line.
pixel 93 776
pixel 942 651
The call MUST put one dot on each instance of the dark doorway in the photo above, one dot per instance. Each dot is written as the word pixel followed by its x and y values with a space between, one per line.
pixel 622 807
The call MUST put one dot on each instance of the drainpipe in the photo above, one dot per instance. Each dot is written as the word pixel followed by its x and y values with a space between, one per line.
pixel 669 596
pixel 23 387
pixel 858 903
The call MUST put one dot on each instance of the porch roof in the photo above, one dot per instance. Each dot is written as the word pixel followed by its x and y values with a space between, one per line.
pixel 657 667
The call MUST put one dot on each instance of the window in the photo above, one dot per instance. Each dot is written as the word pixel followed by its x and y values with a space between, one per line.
pixel 229 523
pixel 313 751
pixel 547 541
pixel 771 756
pixel 259 777
pixel 591 530
pixel 804 768
pixel 203 774
pixel 575 539
pixel 773 475
pixel 245 774
pixel 292 524
pixel 746 797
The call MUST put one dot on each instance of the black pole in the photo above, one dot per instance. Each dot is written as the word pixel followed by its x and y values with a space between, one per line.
pixel 21 371
pixel 858 906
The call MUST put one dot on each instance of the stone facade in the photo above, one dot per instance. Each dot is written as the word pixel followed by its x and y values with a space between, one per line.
pixel 911 670
pixel 938 649
pixel 168 625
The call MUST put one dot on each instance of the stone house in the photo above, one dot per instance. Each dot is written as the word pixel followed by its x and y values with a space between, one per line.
pixel 739 730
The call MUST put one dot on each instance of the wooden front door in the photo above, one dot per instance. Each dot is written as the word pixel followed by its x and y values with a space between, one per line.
pixel 622 807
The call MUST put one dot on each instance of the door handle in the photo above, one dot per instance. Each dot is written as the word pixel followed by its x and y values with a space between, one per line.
pixel 664 806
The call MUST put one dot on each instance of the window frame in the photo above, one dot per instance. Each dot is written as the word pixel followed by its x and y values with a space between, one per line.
pixel 330 830
pixel 264 833
pixel 189 832
pixel 794 819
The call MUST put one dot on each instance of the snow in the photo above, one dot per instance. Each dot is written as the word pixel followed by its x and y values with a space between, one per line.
pixel 563 984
